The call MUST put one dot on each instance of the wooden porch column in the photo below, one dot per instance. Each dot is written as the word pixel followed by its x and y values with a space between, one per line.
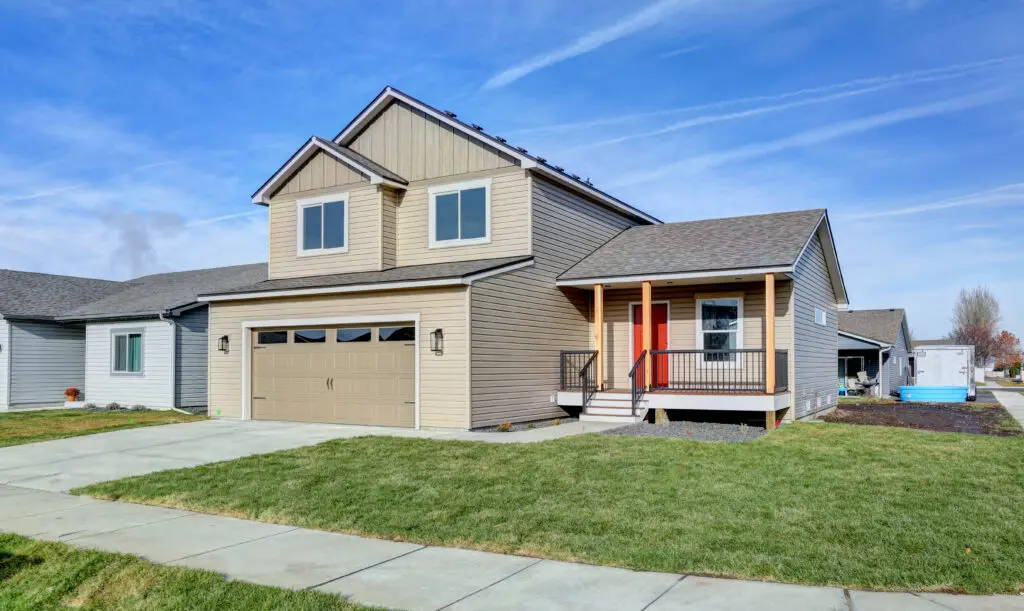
pixel 599 332
pixel 645 297
pixel 769 335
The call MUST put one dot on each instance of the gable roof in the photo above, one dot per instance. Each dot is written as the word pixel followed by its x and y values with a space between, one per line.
pixel 35 296
pixel 933 342
pixel 163 293
pixel 879 325
pixel 526 161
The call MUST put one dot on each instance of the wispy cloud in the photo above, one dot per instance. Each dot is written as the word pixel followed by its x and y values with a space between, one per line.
pixel 225 217
pixel 1010 193
pixel 631 24
pixel 816 136
pixel 682 51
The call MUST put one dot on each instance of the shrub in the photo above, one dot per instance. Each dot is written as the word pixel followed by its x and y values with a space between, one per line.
pixel 138 408
pixel 114 406
pixel 91 406
pixel 556 422
pixel 505 427
pixel 529 426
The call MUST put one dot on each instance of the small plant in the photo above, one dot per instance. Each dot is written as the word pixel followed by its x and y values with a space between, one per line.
pixel 556 422
pixel 72 394
pixel 529 426
pixel 505 427
pixel 114 406
pixel 138 408
pixel 91 406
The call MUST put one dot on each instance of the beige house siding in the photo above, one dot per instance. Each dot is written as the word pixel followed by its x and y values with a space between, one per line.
pixel 389 229
pixel 682 327
pixel 521 320
pixel 510 225
pixel 364 234
pixel 321 172
pixel 419 147
pixel 443 384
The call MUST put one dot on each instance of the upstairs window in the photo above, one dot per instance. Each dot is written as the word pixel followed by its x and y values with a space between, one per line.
pixel 460 214
pixel 323 225
pixel 821 317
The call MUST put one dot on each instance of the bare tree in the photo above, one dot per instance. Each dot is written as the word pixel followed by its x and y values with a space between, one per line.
pixel 976 319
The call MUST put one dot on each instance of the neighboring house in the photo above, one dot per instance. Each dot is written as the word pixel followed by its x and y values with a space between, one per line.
pixel 875 341
pixel 147 344
pixel 423 273
pixel 41 357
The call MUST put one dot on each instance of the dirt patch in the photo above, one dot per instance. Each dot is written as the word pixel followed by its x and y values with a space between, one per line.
pixel 977 418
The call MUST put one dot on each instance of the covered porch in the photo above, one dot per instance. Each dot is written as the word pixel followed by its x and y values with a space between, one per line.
pixel 710 342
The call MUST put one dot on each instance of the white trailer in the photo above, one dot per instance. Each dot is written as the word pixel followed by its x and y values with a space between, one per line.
pixel 945 366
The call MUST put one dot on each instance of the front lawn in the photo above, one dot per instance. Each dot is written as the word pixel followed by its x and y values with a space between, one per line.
pixel 42 425
pixel 38 575
pixel 831 504
pixel 1010 383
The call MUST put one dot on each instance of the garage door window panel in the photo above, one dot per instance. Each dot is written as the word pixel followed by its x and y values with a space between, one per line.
pixel 397 334
pixel 345 336
pixel 265 338
pixel 310 336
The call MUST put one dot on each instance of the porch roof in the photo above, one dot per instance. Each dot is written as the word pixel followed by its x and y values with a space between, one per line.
pixel 715 247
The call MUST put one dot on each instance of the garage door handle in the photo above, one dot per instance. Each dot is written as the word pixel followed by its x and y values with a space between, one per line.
pixel 257 398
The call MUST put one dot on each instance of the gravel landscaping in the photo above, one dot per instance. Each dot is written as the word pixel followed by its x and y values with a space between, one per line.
pixel 698 431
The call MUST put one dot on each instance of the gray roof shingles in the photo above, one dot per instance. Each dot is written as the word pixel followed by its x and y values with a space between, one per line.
pixel 762 240
pixel 30 295
pixel 880 325
pixel 432 271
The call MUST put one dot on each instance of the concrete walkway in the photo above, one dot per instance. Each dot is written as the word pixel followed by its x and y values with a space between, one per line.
pixel 1013 401
pixel 415 577
pixel 63 464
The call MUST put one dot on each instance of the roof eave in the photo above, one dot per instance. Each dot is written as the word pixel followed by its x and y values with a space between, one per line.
pixel 695 275
pixel 869 340
pixel 831 259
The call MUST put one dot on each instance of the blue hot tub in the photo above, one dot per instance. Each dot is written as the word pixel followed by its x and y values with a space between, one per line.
pixel 934 394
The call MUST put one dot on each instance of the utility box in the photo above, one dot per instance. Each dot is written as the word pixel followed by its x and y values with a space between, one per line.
pixel 945 366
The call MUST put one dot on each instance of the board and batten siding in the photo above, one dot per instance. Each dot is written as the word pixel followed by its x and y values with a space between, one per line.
pixel 190 357
pixel 682 324
pixel 154 387
pixel 510 221
pixel 5 358
pixel 322 171
pixel 443 382
pixel 817 346
pixel 46 358
pixel 521 320
pixel 419 147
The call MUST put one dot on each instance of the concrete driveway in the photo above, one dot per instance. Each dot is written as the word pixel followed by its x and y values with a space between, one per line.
pixel 63 464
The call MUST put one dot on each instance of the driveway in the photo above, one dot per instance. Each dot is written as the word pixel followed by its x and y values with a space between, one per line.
pixel 63 464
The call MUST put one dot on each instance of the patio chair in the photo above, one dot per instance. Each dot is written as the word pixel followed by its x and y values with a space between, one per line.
pixel 854 386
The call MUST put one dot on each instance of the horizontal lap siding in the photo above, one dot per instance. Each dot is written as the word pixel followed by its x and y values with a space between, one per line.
pixel 364 252
pixel 683 317
pixel 898 366
pixel 817 346
pixel 521 320
pixel 190 354
pixel 5 355
pixel 389 229
pixel 443 383
pixel 46 359
pixel 153 388
pixel 510 221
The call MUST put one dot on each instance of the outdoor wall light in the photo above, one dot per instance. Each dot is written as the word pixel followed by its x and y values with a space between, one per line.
pixel 224 344
pixel 437 341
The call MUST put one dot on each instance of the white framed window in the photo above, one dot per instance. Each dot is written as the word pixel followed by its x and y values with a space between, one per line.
pixel 460 214
pixel 821 317
pixel 322 225
pixel 126 353
pixel 719 327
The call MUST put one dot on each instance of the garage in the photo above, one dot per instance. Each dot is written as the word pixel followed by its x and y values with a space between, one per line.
pixel 343 375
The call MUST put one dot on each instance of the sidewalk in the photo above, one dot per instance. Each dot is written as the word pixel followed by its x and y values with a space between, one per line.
pixel 414 577
pixel 1013 401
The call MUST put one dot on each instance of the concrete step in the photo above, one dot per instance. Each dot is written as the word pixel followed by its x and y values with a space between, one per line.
pixel 613 410
pixel 626 419
pixel 599 402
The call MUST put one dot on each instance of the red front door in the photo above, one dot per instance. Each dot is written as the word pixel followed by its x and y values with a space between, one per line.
pixel 659 338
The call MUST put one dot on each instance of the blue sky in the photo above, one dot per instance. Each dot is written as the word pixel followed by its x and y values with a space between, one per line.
pixel 134 132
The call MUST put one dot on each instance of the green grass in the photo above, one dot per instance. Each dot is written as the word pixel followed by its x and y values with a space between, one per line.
pixel 859 506
pixel 1011 383
pixel 36 575
pixel 43 425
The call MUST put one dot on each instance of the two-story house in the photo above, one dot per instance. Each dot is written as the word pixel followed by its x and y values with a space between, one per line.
pixel 423 273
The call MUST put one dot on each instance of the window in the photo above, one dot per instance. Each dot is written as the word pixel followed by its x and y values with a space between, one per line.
pixel 719 327
pixel 272 337
pixel 323 225
pixel 127 352
pixel 397 334
pixel 354 335
pixel 848 367
pixel 821 317
pixel 311 336
pixel 460 214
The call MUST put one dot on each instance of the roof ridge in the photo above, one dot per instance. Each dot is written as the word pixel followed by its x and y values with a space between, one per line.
pixel 47 274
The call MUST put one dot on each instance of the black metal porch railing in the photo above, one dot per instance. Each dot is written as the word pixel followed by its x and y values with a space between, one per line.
pixel 781 370
pixel 572 363
pixel 714 371
pixel 638 381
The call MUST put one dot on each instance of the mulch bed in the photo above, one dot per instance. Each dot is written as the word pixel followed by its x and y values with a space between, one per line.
pixel 976 418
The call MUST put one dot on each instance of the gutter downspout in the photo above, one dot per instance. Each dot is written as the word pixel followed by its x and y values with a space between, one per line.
pixel 174 356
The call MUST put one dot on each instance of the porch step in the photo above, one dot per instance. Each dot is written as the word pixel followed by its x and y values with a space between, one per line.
pixel 616 418
pixel 620 403
pixel 614 410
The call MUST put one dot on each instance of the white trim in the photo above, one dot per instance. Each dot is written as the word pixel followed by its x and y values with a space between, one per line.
pixel 677 276
pixel 863 339
pixel 700 331
pixel 434 190
pixel 310 202
pixel 249 325
pixel 668 325
pixel 363 288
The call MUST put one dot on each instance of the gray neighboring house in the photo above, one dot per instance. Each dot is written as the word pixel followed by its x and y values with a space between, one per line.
pixel 876 341
pixel 40 356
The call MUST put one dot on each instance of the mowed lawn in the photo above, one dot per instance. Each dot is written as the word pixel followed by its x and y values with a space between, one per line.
pixel 38 575
pixel 859 506
pixel 42 425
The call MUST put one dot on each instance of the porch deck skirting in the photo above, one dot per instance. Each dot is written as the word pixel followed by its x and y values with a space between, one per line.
pixel 674 400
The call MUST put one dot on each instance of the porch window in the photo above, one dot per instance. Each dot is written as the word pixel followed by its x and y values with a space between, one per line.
pixel 127 356
pixel 460 214
pixel 720 327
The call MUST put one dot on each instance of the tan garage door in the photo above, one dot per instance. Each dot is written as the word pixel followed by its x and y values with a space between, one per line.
pixel 344 375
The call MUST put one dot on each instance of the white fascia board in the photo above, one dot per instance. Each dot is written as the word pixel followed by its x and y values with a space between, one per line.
pixel 676 276
pixel 603 197
pixel 864 339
